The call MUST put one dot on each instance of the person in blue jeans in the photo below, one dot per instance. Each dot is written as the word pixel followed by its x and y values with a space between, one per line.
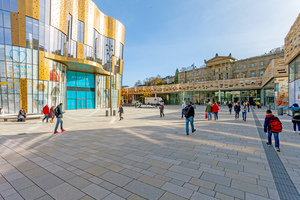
pixel 182 109
pixel 208 110
pixel 189 114
pixel 244 111
pixel 59 116
pixel 295 117
pixel 267 129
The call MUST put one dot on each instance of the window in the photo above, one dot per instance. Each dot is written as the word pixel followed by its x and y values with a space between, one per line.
pixel 197 80
pixel 252 65
pixel 187 76
pixel 244 66
pixel 261 63
pixel 261 73
pixel 70 27
pixel 188 81
pixel 226 68
pixel 201 73
pixel 219 69
pixel 201 80
pixel 80 36
pixel 226 77
pixel 236 67
pixel 236 76
pixel 252 74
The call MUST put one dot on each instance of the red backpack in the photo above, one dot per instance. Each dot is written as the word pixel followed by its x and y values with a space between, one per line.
pixel 275 125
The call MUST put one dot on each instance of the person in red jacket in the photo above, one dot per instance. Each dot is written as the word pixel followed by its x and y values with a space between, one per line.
pixel 215 110
pixel 46 112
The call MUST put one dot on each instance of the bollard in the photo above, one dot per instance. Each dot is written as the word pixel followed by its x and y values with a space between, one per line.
pixel 106 113
pixel 114 112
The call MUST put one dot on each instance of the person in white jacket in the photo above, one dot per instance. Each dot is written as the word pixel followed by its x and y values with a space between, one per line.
pixel 182 109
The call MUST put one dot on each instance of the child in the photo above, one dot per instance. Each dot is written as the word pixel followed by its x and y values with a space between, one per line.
pixel 272 125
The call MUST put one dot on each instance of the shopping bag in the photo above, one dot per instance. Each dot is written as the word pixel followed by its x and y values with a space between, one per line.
pixel 206 115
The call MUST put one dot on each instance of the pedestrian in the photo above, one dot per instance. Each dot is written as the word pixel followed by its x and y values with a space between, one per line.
pixel 295 117
pixel 258 105
pixel 273 126
pixel 208 110
pixel 248 105
pixel 230 107
pixel 22 113
pixel 254 104
pixel 1 111
pixel 189 113
pixel 244 109
pixel 46 113
pixel 121 111
pixel 182 108
pixel 237 109
pixel 59 115
pixel 161 110
pixel 51 114
pixel 215 110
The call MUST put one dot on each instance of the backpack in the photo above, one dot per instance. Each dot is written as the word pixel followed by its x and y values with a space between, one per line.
pixel 56 113
pixel 296 114
pixel 275 125
pixel 186 111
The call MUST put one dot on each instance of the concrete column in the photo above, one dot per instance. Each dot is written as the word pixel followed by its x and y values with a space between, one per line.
pixel 220 96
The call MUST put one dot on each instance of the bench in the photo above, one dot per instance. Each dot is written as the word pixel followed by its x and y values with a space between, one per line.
pixel 15 116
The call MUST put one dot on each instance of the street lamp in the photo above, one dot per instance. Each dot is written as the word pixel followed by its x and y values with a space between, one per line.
pixel 193 82
pixel 110 54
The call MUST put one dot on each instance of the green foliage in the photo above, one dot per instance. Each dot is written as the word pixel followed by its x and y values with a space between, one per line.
pixel 176 76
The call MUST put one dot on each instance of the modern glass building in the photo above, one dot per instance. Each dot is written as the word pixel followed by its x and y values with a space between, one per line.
pixel 54 51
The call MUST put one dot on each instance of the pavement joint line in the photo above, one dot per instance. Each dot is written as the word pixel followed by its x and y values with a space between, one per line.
pixel 278 170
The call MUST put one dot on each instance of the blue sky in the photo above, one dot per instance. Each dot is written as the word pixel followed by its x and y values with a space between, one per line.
pixel 162 35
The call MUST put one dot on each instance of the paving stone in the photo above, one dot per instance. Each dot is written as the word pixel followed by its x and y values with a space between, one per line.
pixel 47 181
pixel 96 170
pixel 157 170
pixel 14 196
pixel 121 192
pixel 175 189
pixel 45 197
pixel 131 174
pixel 116 168
pixel 251 188
pixel 216 178
pixel 135 197
pixel 230 191
pixel 170 196
pixel 197 196
pixel 65 191
pixel 13 176
pixel 81 164
pixel 177 182
pixel 202 183
pixel 178 176
pixel 152 181
pixel 107 185
pixel 115 178
pixel 95 191
pixel 231 166
pixel 5 186
pixel 208 192
pixel 32 192
pixel 186 171
pixel 78 182
pixel 158 163
pixel 21 183
pixel 86 197
pixel 113 197
pixel 65 175
pixel 223 196
pixel 144 190
pixel 36 172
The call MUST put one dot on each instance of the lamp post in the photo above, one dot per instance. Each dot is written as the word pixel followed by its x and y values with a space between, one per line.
pixel 193 83
pixel 110 54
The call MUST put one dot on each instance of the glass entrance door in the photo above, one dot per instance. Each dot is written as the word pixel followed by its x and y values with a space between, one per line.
pixel 81 104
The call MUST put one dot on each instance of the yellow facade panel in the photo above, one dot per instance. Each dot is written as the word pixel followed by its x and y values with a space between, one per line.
pixel 113 64
pixel 120 103
pixel 21 7
pixel 107 82
pixel 35 9
pixel 14 20
pixel 121 67
pixel 80 50
pixel 29 8
pixel 23 93
pixel 43 67
pixel 22 30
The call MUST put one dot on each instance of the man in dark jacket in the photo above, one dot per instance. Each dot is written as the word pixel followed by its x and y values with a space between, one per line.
pixel 121 111
pixel 189 114
pixel 230 106
pixel 237 109
pixel 59 116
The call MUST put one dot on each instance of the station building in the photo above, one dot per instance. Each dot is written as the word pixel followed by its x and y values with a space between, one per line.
pixel 56 51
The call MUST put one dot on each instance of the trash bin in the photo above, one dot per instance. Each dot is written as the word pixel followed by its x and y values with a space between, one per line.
pixel 280 110
pixel 114 112
pixel 106 113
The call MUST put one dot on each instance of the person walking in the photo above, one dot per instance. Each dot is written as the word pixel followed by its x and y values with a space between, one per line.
pixel 182 108
pixel 51 114
pixel 121 111
pixel 22 113
pixel 273 126
pixel 208 110
pixel 46 113
pixel 1 111
pixel 244 109
pixel 215 110
pixel 248 105
pixel 161 110
pixel 295 117
pixel 237 109
pixel 189 113
pixel 59 115
pixel 230 107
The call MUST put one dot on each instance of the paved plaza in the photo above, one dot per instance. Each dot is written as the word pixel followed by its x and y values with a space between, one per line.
pixel 147 157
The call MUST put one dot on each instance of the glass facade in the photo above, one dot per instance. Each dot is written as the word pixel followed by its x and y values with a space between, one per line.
pixel 33 54
pixel 294 81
